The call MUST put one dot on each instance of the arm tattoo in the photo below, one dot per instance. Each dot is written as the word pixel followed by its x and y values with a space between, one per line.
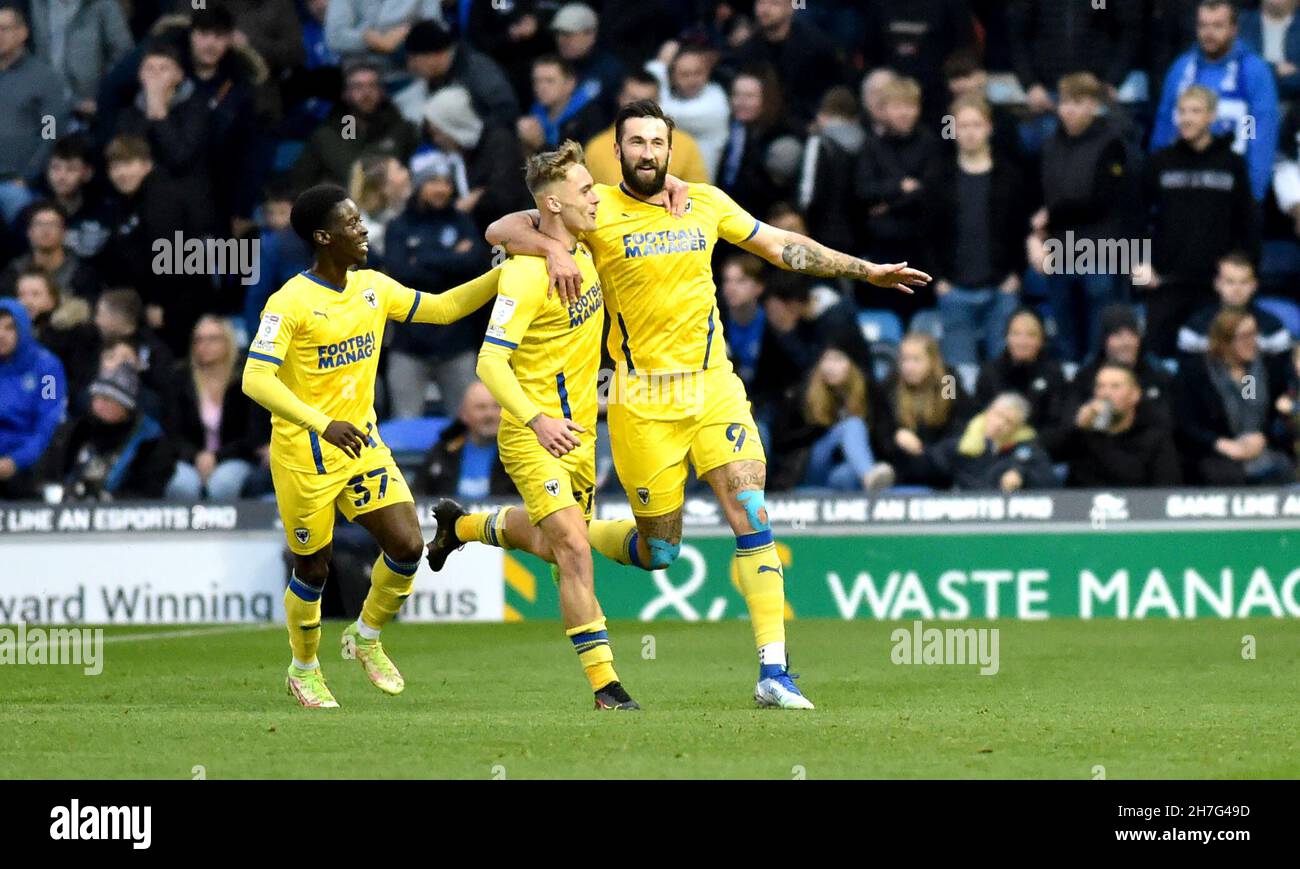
pixel 810 258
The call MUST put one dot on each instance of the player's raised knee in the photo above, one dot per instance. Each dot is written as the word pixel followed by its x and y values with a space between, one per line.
pixel 663 552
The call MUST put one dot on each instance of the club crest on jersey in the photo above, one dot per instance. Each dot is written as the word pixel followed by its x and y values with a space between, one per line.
pixel 301 535
pixel 643 495
pixel 552 487
pixel 371 299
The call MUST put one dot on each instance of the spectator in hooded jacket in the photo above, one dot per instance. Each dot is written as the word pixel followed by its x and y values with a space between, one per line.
pixel 70 183
pixel 33 395
pixel 433 246
pixel 921 404
pixel 1198 192
pixel 1248 103
pixel 61 325
pixel 1230 429
pixel 1112 444
pixel 1024 367
pixel 998 451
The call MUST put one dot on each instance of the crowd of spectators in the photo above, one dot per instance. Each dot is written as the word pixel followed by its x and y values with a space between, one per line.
pixel 1108 197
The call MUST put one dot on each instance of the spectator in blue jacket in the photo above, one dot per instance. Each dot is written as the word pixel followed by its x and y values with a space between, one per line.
pixel 32 399
pixel 433 246
pixel 1273 32
pixel 1248 103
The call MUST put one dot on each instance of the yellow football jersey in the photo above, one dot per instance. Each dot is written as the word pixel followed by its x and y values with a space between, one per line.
pixel 657 277
pixel 326 340
pixel 554 348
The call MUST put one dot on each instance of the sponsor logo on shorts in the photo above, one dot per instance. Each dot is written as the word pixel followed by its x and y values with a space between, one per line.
pixel 301 534
pixel 552 487
pixel 643 495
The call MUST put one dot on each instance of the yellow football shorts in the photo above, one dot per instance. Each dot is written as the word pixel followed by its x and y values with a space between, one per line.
pixel 547 483
pixel 711 426
pixel 307 500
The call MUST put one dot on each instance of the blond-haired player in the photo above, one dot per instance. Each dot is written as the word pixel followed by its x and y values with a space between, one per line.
pixel 541 360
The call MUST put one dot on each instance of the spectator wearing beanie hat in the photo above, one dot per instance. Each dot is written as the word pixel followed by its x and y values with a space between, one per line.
pixel 434 246
pixel 437 60
pixel 116 451
pixel 490 183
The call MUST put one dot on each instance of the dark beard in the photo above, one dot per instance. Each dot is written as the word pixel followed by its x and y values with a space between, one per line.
pixel 642 189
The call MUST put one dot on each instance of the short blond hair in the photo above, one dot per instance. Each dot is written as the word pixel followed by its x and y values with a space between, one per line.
pixel 547 167
pixel 907 90
pixel 1201 92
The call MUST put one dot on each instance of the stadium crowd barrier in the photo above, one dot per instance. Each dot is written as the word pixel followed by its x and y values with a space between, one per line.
pixel 1149 553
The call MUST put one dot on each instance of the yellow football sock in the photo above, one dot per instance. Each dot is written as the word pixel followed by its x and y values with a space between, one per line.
pixel 390 584
pixel 591 642
pixel 614 539
pixel 302 616
pixel 762 581
pixel 487 528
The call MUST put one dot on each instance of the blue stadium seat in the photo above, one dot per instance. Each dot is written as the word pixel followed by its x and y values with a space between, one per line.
pixel 882 326
pixel 1285 310
pixel 929 323
pixel 414 436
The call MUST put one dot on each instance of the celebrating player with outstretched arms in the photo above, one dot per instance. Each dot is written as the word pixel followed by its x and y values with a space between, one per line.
pixel 655 270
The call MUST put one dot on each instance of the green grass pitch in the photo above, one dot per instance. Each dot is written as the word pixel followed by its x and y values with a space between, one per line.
pixel 1139 699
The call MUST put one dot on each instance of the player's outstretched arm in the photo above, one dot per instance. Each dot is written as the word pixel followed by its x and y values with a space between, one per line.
pixel 557 436
pixel 261 384
pixel 799 253
pixel 517 233
pixel 459 301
